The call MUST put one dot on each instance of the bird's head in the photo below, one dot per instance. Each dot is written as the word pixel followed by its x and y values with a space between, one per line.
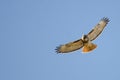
pixel 85 38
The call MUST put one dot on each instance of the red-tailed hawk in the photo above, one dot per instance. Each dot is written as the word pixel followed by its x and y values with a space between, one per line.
pixel 86 41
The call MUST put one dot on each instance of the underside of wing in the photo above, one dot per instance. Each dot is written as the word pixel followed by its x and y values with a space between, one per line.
pixel 69 47
pixel 95 32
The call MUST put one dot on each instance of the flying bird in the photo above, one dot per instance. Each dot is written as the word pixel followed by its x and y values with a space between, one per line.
pixel 86 41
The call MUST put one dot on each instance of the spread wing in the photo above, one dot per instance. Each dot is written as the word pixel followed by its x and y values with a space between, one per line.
pixel 95 32
pixel 69 47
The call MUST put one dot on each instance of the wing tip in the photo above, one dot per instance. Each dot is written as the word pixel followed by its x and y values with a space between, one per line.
pixel 105 19
pixel 58 49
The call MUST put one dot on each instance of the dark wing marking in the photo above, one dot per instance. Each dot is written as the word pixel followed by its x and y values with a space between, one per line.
pixel 69 47
pixel 95 32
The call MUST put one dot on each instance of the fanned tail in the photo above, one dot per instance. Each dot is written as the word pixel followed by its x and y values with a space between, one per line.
pixel 88 47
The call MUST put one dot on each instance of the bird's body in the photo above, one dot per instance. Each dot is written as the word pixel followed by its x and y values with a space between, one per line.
pixel 86 41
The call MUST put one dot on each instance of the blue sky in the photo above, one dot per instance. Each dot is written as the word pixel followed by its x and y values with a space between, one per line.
pixel 30 30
